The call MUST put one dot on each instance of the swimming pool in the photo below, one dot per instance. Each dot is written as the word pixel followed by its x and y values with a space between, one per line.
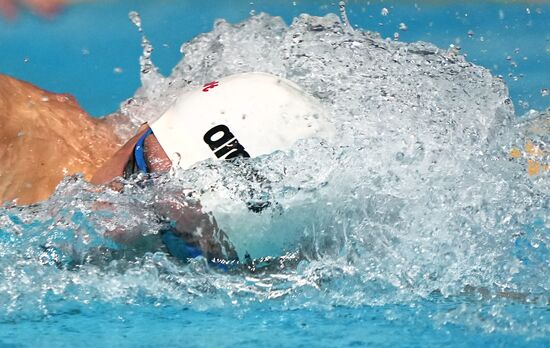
pixel 100 69
pixel 408 234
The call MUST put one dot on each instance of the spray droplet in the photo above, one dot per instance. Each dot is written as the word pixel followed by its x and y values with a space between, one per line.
pixel 45 99
pixel 26 60
pixel 396 36
pixel 136 19
pixel 145 60
pixel 344 15
pixel 118 70
pixel 403 27
pixel 528 10
pixel 384 12
pixel 85 51
pixel 470 33
pixel 544 92
pixel 454 50
pixel 524 105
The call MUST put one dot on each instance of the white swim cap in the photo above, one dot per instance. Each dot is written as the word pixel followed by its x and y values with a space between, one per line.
pixel 244 115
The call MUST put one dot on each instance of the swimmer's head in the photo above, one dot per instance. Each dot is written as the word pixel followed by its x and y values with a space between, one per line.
pixel 244 115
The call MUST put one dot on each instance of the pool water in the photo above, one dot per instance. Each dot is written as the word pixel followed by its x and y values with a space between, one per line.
pixel 99 68
pixel 258 325
pixel 415 228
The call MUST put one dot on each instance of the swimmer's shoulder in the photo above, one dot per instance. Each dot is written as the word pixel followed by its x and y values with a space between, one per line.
pixel 45 136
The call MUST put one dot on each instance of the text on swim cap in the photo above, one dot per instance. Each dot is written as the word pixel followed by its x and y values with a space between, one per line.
pixel 223 143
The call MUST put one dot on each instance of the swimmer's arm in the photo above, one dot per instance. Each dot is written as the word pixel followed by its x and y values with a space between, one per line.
pixel 197 228
pixel 187 221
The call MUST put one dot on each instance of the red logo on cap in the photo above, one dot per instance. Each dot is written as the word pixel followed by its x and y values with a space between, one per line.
pixel 210 85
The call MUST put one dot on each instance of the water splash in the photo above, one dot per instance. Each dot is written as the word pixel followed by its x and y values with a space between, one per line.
pixel 418 195
pixel 344 15
pixel 151 79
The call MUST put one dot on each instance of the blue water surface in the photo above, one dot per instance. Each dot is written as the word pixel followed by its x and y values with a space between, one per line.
pixel 92 50
pixel 255 326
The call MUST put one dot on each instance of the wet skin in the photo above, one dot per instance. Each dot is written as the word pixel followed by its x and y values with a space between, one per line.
pixel 45 137
pixel 192 225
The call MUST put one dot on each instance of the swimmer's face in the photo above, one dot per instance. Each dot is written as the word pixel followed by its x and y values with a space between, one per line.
pixel 157 160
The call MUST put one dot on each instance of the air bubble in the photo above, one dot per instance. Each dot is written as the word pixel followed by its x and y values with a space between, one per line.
pixel 544 92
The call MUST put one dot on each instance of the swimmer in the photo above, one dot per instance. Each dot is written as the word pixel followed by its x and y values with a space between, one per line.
pixel 240 116
pixel 245 115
